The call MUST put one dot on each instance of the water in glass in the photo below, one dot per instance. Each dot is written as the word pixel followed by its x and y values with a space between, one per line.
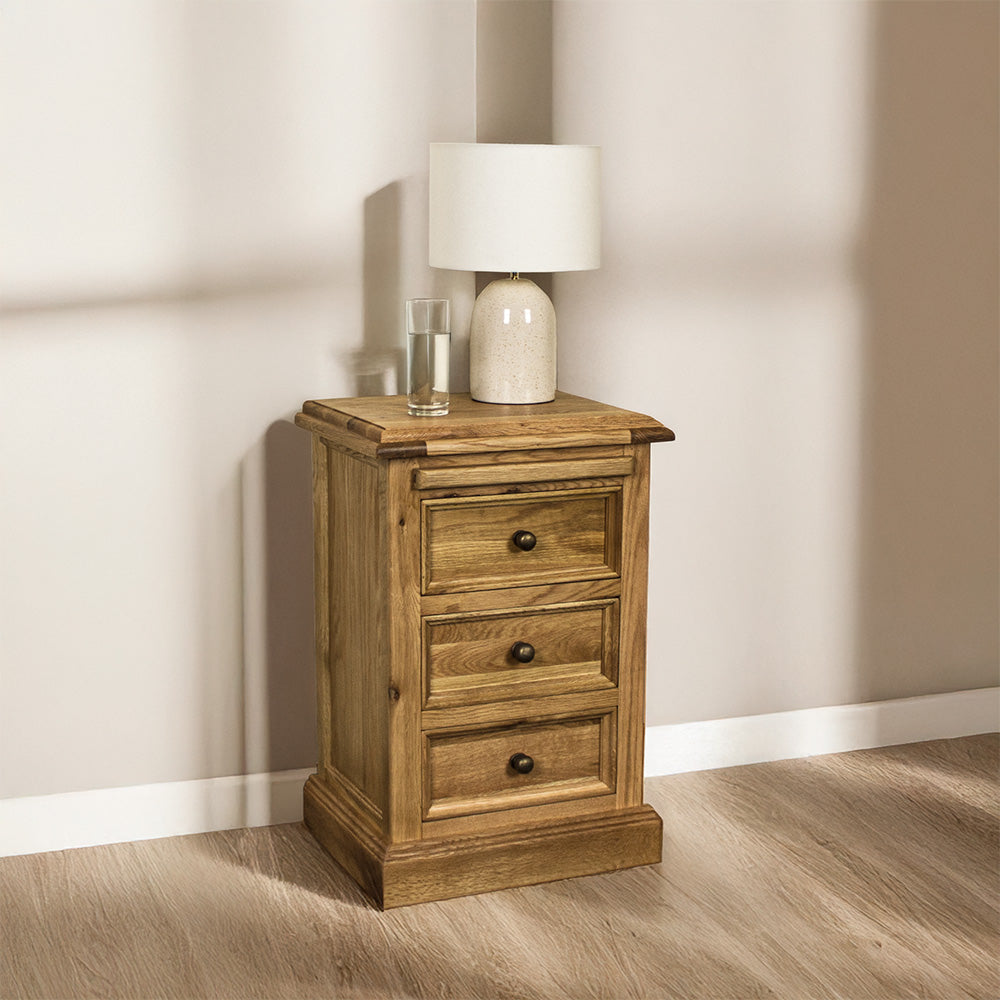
pixel 427 364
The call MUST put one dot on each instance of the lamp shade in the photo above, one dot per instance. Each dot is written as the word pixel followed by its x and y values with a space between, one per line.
pixel 506 207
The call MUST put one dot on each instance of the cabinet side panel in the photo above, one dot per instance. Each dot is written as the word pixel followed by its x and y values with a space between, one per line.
pixel 358 676
pixel 402 554
pixel 321 572
pixel 632 649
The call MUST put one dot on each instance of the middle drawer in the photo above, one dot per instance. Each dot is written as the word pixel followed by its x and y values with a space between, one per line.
pixel 488 656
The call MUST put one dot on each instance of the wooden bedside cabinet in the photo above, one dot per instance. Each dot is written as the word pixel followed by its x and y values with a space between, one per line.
pixel 480 643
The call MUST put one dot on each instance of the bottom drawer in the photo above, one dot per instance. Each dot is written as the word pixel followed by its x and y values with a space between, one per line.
pixel 528 763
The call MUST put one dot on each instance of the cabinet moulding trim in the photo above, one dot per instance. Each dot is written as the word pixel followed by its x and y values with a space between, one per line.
pixel 754 739
pixel 34 824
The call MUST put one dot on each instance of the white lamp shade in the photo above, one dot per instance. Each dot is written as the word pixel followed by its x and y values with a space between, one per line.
pixel 501 207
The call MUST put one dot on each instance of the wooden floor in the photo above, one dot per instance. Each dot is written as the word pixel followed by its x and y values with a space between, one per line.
pixel 864 875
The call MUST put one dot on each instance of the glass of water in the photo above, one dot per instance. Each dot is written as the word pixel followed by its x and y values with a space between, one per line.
pixel 428 346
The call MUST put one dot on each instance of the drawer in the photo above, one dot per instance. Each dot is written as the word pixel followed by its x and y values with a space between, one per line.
pixel 485 543
pixel 521 653
pixel 474 771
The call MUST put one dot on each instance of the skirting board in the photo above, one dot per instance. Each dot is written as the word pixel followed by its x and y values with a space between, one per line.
pixel 168 809
pixel 753 739
pixel 145 812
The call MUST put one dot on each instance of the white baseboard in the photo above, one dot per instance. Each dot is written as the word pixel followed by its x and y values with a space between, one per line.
pixel 144 812
pixel 752 739
pixel 169 809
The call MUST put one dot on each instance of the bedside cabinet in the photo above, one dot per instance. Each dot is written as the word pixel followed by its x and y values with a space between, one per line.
pixel 480 643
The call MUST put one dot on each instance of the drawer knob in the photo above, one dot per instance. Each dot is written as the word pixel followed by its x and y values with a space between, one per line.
pixel 524 540
pixel 524 652
pixel 522 763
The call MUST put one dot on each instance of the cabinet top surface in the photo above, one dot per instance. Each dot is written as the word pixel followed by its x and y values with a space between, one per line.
pixel 383 421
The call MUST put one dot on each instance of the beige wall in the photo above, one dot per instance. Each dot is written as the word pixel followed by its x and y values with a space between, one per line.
pixel 212 210
pixel 800 277
pixel 514 71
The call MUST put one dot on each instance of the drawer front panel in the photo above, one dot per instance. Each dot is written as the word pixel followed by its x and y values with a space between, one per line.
pixel 484 543
pixel 474 771
pixel 521 653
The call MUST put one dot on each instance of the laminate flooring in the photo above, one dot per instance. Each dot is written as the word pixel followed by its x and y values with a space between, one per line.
pixel 869 875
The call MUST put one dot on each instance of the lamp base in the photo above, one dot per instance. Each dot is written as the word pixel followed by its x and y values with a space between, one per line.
pixel 512 344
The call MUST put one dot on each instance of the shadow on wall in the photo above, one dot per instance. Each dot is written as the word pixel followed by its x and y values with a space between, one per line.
pixel 279 652
pixel 514 51
pixel 396 269
pixel 279 659
pixel 928 576
pixel 378 367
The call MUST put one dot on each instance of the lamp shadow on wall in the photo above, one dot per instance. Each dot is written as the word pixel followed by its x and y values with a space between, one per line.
pixel 927 575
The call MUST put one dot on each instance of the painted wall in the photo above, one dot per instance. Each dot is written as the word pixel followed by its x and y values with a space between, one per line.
pixel 212 211
pixel 800 277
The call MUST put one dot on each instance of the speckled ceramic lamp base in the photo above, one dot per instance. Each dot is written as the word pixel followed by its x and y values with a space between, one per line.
pixel 512 344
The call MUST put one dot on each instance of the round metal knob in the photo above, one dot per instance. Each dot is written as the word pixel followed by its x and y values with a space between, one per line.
pixel 524 540
pixel 522 763
pixel 524 652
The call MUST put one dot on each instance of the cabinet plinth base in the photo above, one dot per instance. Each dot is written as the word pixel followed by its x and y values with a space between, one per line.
pixel 425 870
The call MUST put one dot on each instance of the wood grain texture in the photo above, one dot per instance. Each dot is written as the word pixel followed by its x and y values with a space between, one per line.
pixel 863 876
pixel 514 822
pixel 526 596
pixel 357 608
pixel 634 523
pixel 486 862
pixel 566 439
pixel 524 472
pixel 421 715
pixel 460 862
pixel 469 658
pixel 468 541
pixel 321 584
pixel 525 709
pixel 346 832
pixel 512 487
pixel 337 436
pixel 587 446
pixel 566 421
pixel 399 568
pixel 469 772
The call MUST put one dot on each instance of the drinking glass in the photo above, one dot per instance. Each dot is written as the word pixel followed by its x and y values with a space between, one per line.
pixel 428 346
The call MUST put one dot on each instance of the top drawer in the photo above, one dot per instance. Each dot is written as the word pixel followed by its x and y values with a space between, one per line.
pixel 485 543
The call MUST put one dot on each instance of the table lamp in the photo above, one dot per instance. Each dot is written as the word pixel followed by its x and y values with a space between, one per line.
pixel 513 208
